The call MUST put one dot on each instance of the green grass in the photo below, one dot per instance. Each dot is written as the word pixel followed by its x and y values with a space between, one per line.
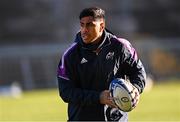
pixel 42 105
pixel 162 103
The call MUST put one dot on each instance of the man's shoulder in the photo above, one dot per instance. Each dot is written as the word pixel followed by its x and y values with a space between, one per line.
pixel 115 40
pixel 121 41
pixel 118 40
pixel 70 50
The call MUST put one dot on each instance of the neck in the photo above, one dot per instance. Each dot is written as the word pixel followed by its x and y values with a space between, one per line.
pixel 98 39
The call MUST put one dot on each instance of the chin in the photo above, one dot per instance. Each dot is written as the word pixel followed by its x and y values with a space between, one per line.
pixel 86 41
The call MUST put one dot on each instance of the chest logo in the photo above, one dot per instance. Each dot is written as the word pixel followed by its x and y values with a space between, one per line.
pixel 84 60
pixel 110 55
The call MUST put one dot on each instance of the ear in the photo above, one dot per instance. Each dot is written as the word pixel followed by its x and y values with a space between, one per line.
pixel 102 26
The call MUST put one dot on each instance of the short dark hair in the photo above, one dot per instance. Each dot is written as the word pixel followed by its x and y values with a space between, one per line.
pixel 95 12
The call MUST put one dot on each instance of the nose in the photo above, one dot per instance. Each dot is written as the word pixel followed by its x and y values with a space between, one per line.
pixel 84 29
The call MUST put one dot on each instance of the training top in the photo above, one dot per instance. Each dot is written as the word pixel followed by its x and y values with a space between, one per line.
pixel 85 70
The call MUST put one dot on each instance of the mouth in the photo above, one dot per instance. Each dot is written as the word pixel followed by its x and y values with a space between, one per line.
pixel 84 36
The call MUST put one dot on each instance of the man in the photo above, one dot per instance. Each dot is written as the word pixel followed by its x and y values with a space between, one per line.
pixel 87 67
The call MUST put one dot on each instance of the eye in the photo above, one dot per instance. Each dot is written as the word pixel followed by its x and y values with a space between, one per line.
pixel 81 24
pixel 90 24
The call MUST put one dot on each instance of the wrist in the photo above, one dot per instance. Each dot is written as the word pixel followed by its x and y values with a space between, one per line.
pixel 137 87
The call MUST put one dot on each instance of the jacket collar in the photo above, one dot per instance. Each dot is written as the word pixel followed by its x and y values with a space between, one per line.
pixel 104 42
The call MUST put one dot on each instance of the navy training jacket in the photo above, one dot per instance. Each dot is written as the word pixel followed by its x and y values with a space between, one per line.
pixel 85 70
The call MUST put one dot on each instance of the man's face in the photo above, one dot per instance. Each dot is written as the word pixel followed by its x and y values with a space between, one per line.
pixel 91 29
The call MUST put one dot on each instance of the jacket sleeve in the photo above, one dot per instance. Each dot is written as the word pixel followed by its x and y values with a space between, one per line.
pixel 69 90
pixel 132 66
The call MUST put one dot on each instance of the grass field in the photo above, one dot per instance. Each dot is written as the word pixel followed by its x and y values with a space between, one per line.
pixel 162 103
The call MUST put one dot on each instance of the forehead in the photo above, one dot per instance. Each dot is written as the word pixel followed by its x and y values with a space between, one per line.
pixel 87 19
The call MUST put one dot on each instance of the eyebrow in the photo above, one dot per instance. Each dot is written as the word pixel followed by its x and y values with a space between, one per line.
pixel 87 23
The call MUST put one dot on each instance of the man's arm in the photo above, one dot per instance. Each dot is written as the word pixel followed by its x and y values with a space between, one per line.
pixel 132 66
pixel 69 90
pixel 71 94
pixel 136 74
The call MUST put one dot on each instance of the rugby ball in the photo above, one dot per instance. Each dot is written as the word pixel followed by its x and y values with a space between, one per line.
pixel 125 95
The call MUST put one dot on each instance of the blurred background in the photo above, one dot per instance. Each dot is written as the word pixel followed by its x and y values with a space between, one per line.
pixel 34 34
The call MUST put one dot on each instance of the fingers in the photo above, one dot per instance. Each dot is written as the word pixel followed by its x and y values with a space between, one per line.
pixel 111 102
pixel 112 105
pixel 105 98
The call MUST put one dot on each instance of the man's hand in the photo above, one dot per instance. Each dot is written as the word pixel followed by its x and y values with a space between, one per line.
pixel 106 98
pixel 135 94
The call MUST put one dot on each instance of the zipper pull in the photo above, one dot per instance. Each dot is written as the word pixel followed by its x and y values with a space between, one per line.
pixel 97 51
